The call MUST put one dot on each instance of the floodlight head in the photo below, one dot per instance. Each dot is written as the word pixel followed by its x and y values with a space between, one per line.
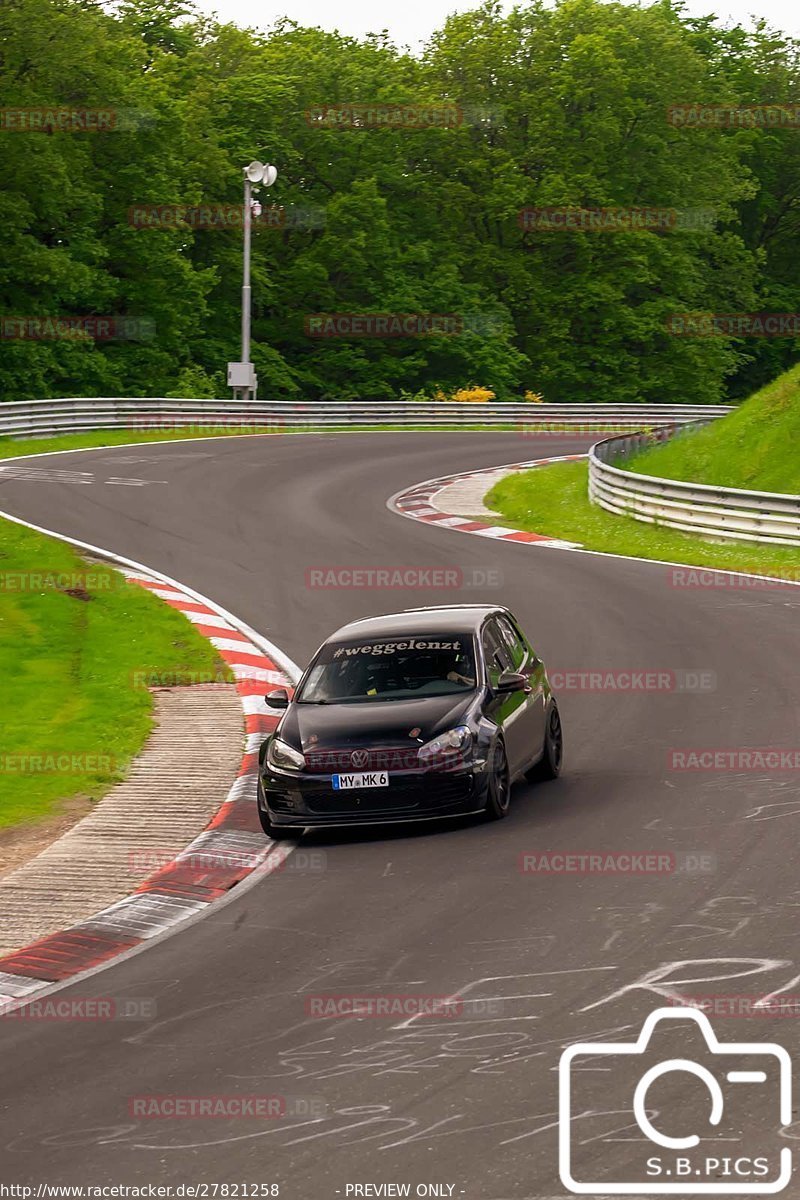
pixel 270 175
pixel 254 171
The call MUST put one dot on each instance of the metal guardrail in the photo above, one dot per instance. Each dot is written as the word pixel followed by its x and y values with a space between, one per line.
pixel 718 513
pixel 726 513
pixel 41 417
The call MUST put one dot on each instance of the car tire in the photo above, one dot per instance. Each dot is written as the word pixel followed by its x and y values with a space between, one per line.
pixel 549 765
pixel 275 832
pixel 272 831
pixel 498 798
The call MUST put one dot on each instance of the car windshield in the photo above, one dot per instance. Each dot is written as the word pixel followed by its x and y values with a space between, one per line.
pixel 384 669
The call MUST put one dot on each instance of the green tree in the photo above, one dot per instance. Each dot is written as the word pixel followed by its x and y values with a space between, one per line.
pixel 562 106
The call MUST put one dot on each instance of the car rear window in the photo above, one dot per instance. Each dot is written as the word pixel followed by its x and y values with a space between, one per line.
pixel 390 669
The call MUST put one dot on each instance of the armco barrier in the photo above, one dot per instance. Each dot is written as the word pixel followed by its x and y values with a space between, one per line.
pixel 727 514
pixel 43 417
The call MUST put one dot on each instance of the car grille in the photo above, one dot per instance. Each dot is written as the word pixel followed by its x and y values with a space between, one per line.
pixel 421 793
pixel 338 760
pixel 280 802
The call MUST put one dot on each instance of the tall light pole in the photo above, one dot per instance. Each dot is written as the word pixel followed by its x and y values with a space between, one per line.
pixel 241 375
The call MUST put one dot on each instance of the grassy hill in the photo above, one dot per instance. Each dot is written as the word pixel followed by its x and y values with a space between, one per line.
pixel 756 447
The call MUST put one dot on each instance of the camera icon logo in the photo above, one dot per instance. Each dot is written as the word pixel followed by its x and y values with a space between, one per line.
pixel 703 1156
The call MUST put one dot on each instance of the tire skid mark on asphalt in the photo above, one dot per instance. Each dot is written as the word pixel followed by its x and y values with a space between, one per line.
pixel 85 949
pixel 47 475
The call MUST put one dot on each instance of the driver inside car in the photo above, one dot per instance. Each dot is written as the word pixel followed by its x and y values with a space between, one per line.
pixel 456 674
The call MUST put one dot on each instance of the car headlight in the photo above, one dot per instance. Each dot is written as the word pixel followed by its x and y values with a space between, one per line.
pixel 284 757
pixel 448 747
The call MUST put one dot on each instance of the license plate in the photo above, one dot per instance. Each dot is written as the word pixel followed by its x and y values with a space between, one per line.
pixel 364 779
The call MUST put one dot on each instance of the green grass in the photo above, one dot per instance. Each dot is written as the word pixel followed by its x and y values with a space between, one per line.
pixel 68 667
pixel 11 447
pixel 756 447
pixel 554 500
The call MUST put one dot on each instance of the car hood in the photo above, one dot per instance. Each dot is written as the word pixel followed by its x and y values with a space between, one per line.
pixel 312 726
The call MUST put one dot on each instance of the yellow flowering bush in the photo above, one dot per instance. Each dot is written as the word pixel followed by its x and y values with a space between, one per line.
pixel 473 395
pixel 468 395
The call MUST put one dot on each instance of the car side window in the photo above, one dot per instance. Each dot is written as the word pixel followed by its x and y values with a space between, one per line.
pixel 495 653
pixel 517 650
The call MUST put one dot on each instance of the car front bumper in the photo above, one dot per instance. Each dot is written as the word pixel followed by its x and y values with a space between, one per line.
pixel 307 800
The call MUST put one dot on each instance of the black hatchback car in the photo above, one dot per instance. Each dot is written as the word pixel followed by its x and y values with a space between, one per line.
pixel 418 715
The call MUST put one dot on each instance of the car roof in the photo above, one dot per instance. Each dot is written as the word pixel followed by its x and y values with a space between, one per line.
pixel 450 618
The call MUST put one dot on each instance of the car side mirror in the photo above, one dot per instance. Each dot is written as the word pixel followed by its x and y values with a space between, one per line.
pixel 511 681
pixel 277 699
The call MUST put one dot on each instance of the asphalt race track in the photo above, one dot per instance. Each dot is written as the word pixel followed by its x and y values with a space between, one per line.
pixel 541 960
